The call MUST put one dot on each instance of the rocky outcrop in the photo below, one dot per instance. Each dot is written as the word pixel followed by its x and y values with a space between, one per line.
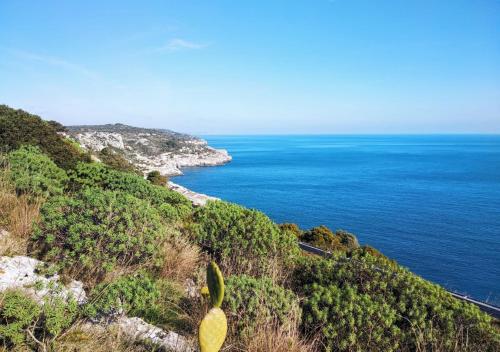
pixel 150 149
pixel 22 273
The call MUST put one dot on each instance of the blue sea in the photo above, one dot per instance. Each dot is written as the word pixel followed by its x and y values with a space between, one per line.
pixel 431 202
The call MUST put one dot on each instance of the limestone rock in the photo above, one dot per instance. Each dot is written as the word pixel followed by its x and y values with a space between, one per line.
pixel 20 273
pixel 150 149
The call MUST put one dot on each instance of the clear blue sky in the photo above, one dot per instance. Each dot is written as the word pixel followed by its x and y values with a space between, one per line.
pixel 312 66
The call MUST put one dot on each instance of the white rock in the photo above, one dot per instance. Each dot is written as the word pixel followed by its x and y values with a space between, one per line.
pixel 196 152
pixel 138 330
pixel 19 273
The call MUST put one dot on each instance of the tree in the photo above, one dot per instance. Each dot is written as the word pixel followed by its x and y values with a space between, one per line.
pixel 157 179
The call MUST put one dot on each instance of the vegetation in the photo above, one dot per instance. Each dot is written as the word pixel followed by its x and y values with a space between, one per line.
pixel 253 302
pixel 369 302
pixel 17 215
pixel 157 179
pixel 25 323
pixel 34 173
pixel 95 231
pixel 213 328
pixel 169 204
pixel 137 294
pixel 322 237
pixel 242 240
pixel 18 128
pixel 292 228
pixel 115 160
pixel 141 249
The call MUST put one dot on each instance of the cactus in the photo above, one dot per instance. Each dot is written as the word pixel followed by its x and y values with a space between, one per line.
pixel 213 330
pixel 213 327
pixel 215 283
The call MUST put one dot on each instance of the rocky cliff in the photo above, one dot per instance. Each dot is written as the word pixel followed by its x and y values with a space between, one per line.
pixel 150 149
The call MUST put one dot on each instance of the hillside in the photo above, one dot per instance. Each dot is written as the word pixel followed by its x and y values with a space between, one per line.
pixel 94 258
pixel 149 149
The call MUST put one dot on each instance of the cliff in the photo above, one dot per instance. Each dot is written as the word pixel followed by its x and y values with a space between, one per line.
pixel 149 149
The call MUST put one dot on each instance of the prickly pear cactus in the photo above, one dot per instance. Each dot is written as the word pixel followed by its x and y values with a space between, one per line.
pixel 215 283
pixel 213 330
pixel 213 327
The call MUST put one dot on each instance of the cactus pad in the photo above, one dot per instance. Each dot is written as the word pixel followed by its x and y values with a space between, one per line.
pixel 215 283
pixel 213 330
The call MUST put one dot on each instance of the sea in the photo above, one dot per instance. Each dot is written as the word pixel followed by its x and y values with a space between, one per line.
pixel 431 202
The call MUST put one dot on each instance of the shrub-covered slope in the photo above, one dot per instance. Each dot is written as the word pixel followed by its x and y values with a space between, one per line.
pixel 17 128
pixel 142 249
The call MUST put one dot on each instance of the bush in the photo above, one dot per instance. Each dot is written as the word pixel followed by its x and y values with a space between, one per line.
pixel 115 160
pixel 349 321
pixel 292 228
pixel 134 295
pixel 242 240
pixel 251 302
pixel 137 295
pixel 18 128
pixel 21 319
pixel 170 204
pixel 157 179
pixel 347 239
pixel 96 231
pixel 34 173
pixel 415 314
pixel 322 237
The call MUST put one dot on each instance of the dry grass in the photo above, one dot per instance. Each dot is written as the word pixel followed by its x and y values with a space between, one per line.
pixel 273 337
pixel 17 215
pixel 180 259
pixel 96 340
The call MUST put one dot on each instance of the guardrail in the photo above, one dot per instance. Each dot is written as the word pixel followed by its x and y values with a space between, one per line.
pixel 490 309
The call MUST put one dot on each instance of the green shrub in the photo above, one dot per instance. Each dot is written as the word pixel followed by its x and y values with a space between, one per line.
pixel 250 302
pixel 242 240
pixel 157 179
pixel 21 318
pixel 398 300
pixel 349 321
pixel 138 295
pixel 115 160
pixel 17 313
pixel 322 237
pixel 33 172
pixel 98 175
pixel 18 128
pixel 134 295
pixel 347 239
pixel 98 230
pixel 292 228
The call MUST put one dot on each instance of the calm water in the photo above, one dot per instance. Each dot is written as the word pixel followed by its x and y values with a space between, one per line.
pixel 430 202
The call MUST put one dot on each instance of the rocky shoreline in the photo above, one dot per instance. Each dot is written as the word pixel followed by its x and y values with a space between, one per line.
pixel 149 149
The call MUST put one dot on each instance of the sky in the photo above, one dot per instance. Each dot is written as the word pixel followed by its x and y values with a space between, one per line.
pixel 256 67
